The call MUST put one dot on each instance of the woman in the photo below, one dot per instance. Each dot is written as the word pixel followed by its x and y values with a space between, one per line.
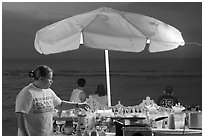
pixel 100 94
pixel 36 102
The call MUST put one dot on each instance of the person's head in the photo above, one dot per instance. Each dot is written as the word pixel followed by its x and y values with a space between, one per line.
pixel 168 90
pixel 100 90
pixel 42 76
pixel 81 82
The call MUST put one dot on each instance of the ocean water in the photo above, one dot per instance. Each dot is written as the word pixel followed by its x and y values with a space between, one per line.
pixel 131 80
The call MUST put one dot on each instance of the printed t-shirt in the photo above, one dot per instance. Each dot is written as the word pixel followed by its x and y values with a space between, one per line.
pixel 38 105
pixel 167 101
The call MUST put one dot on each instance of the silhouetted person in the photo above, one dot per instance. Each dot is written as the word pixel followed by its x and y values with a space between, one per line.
pixel 101 95
pixel 167 100
pixel 78 95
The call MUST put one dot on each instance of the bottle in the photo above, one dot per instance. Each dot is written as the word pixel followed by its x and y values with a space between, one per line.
pixel 171 122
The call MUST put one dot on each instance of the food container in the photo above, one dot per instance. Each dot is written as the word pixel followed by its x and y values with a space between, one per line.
pixel 171 121
pixel 179 119
pixel 174 121
pixel 194 120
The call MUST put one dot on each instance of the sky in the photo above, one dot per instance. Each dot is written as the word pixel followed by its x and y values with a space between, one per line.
pixel 21 20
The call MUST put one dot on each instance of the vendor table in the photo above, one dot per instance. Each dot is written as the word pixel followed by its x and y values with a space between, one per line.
pixel 176 132
pixel 107 134
pixel 157 132
pixel 154 131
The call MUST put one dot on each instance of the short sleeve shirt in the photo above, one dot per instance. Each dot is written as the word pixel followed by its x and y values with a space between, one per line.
pixel 75 95
pixel 38 105
pixel 167 101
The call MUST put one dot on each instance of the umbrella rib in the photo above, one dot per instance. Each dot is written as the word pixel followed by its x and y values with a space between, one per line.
pixel 92 20
pixel 132 25
pixel 143 33
pixel 120 13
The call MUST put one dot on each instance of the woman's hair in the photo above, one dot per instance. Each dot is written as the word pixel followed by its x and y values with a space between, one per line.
pixel 100 90
pixel 40 71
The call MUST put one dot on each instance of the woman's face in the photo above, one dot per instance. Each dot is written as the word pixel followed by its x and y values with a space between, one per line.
pixel 47 81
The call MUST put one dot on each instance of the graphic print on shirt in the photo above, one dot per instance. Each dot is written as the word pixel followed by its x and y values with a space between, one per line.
pixel 167 102
pixel 42 105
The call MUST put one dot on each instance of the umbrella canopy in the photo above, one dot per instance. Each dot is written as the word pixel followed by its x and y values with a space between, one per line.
pixel 108 29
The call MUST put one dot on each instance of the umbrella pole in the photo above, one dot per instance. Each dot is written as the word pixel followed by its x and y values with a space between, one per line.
pixel 108 77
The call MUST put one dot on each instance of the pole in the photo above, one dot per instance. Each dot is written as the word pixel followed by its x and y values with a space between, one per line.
pixel 108 77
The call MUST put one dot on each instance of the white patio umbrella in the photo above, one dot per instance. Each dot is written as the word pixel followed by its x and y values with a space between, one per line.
pixel 108 29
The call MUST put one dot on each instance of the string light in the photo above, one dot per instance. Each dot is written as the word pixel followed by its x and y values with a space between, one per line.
pixel 193 43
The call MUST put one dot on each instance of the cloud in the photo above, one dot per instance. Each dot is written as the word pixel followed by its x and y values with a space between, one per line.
pixel 32 10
